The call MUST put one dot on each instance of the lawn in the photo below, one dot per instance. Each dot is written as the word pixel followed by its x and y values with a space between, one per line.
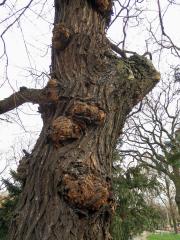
pixel 164 236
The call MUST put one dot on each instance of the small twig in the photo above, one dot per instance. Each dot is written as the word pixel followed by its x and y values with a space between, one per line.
pixel 6 120
pixel 121 52
pixel 148 54
pixel 26 153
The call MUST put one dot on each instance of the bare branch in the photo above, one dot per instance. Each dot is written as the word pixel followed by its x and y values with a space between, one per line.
pixel 121 52
pixel 24 95
pixel 3 2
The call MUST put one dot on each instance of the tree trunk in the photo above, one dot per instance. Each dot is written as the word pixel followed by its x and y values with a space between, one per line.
pixel 171 208
pixel 177 197
pixel 176 181
pixel 67 178
pixel 177 188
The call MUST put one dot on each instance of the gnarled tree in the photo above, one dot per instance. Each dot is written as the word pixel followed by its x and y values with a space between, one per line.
pixel 67 178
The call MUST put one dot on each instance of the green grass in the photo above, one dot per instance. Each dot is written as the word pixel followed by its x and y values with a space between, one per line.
pixel 164 236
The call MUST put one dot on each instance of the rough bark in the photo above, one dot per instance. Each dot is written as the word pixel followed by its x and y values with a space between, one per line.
pixel 67 191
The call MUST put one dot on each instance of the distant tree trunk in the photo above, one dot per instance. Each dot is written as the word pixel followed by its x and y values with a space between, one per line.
pixel 67 178
pixel 171 208
pixel 177 197
pixel 176 180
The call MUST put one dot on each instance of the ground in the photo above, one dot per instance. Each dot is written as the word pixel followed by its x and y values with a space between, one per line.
pixel 164 236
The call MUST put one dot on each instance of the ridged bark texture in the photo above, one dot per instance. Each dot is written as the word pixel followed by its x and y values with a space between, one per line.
pixel 67 192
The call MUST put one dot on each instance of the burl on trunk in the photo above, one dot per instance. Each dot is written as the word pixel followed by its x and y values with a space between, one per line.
pixel 67 193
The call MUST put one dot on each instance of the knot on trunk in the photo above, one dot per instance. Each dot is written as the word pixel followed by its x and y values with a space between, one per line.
pixel 61 36
pixel 144 72
pixel 52 90
pixel 143 68
pixel 86 191
pixel 89 113
pixel 103 5
pixel 63 129
pixel 138 75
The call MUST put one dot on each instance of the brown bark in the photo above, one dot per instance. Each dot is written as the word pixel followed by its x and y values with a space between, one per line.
pixel 171 207
pixel 67 178
pixel 176 180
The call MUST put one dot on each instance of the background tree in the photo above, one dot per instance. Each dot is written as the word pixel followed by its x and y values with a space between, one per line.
pixel 152 136
pixel 164 195
pixel 66 178
pixel 172 207
pixel 135 213
pixel 8 203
